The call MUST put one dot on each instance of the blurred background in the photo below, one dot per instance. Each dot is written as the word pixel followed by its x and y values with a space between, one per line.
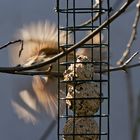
pixel 13 15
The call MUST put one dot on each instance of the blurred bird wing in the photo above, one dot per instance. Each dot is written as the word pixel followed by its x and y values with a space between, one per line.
pixel 37 37
pixel 46 93
pixel 28 99
pixel 23 113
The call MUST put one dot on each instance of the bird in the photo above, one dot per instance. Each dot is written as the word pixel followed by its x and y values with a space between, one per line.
pixel 40 43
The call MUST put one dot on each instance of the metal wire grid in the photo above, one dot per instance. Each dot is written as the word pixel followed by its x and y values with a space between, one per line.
pixel 71 13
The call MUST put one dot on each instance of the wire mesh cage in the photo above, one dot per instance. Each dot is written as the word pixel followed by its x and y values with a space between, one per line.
pixel 83 110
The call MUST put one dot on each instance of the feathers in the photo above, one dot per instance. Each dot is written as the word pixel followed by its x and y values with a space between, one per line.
pixel 41 36
pixel 46 90
pixel 40 43
pixel 38 38
pixel 43 102
pixel 23 113
pixel 46 93
pixel 28 99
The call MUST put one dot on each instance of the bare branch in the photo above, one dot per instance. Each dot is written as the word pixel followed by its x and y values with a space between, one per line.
pixel 132 37
pixel 10 43
pixel 123 67
pixel 48 130
pixel 131 58
pixel 32 73
pixel 20 51
pixel 56 74
pixel 128 74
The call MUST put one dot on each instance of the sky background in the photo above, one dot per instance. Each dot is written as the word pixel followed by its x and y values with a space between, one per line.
pixel 14 14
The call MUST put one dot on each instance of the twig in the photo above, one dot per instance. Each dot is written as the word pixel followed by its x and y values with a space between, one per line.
pixel 122 67
pixel 130 59
pixel 132 37
pixel 10 43
pixel 20 51
pixel 125 66
pixel 56 74
pixel 48 130
pixel 77 45
pixel 128 74
pixel 32 73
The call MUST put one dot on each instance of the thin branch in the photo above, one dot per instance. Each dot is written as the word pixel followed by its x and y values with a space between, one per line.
pixel 77 45
pixel 128 74
pixel 56 74
pixel 10 43
pixel 123 67
pixel 132 37
pixel 32 73
pixel 131 58
pixel 48 130
pixel 20 51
